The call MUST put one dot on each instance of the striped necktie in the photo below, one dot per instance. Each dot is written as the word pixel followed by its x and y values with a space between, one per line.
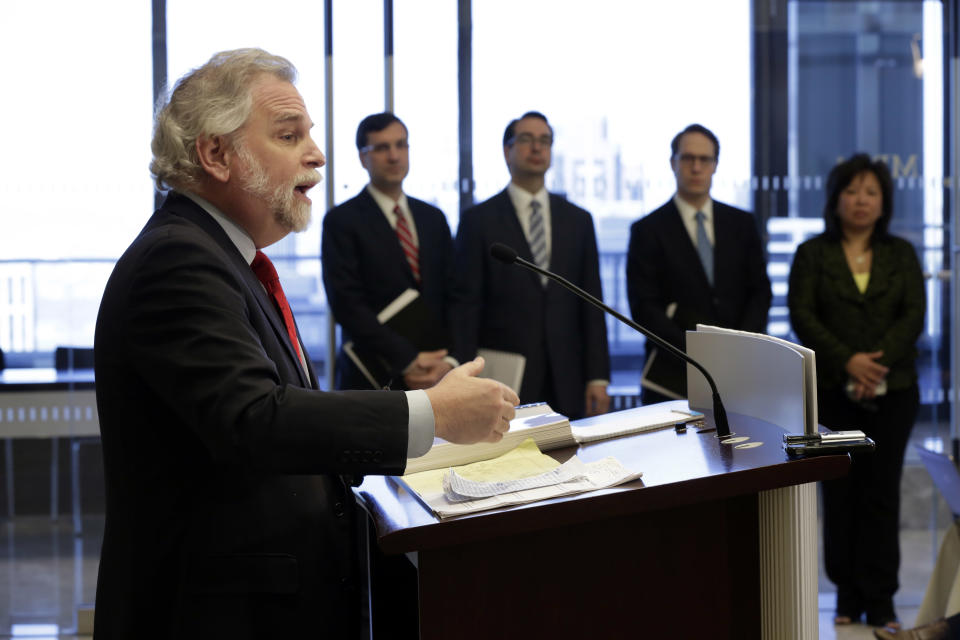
pixel 407 244
pixel 704 248
pixel 538 239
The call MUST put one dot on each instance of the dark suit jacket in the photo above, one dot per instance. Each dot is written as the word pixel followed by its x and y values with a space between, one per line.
pixel 364 269
pixel 832 317
pixel 663 267
pixel 505 307
pixel 226 516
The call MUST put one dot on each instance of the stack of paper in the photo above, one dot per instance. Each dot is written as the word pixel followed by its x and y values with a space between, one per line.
pixel 519 476
pixel 550 430
pixel 538 421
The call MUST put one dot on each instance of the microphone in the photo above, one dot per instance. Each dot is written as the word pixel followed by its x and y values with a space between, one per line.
pixel 508 255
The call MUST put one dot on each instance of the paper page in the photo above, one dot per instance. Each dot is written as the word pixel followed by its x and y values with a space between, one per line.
pixel 503 366
pixel 625 423
pixel 399 303
pixel 457 488
pixel 756 376
pixel 524 461
pixel 601 474
pixel 811 418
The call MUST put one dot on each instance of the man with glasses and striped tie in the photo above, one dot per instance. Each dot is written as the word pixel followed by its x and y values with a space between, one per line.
pixel 693 260
pixel 563 338
pixel 377 245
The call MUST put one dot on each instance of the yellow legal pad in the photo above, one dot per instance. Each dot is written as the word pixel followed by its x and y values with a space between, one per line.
pixel 525 461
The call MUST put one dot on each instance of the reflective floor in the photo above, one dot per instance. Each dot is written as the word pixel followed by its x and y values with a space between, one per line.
pixel 48 576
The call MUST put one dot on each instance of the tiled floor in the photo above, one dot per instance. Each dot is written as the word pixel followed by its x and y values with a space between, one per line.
pixel 918 550
pixel 46 573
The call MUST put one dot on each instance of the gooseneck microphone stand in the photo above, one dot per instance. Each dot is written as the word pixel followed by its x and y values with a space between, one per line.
pixel 505 254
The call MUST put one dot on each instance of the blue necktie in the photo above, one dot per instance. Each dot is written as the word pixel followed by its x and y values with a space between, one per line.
pixel 704 248
pixel 538 239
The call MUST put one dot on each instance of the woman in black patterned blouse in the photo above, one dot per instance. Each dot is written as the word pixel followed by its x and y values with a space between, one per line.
pixel 856 298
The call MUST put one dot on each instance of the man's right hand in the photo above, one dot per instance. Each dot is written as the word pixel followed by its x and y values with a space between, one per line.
pixel 467 409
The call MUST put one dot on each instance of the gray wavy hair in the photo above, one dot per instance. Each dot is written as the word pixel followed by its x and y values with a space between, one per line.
pixel 211 100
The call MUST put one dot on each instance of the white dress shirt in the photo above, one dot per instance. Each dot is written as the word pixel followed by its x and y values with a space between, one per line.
pixel 688 213
pixel 521 199
pixel 387 205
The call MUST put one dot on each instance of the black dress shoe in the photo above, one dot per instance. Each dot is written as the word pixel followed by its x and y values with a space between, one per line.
pixel 934 631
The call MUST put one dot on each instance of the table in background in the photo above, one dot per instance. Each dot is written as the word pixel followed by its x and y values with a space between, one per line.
pixel 49 403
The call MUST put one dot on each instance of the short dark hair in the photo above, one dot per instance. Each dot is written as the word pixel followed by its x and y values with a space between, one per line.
pixel 508 133
pixel 695 128
pixel 374 123
pixel 840 178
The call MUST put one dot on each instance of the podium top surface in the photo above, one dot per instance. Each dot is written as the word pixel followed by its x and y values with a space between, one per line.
pixel 679 469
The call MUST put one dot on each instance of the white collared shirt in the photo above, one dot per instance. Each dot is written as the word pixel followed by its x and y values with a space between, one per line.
pixel 421 427
pixel 521 199
pixel 688 213
pixel 387 205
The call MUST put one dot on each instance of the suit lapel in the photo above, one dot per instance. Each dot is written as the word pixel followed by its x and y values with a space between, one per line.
pixel 835 267
pixel 881 270
pixel 724 243
pixel 562 235
pixel 678 242
pixel 186 208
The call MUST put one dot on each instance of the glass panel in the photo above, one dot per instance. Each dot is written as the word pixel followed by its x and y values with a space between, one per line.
pixel 868 77
pixel 616 86
pixel 358 87
pixel 426 38
pixel 74 177
pixel 293 29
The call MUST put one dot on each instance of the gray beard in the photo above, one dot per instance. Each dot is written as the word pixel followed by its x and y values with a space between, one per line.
pixel 289 213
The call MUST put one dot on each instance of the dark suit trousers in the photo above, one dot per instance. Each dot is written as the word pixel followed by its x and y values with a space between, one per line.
pixel 861 512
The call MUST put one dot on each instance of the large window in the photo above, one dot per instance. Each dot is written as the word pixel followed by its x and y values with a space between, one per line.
pixel 73 173
pixel 617 81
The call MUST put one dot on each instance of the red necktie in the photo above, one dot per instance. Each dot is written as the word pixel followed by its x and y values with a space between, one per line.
pixel 267 275
pixel 406 243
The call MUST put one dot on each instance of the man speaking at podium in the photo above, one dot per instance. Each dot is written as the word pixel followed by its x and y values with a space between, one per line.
pixel 693 260
pixel 229 511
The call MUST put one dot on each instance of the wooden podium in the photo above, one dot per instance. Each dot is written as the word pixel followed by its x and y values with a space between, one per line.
pixel 715 541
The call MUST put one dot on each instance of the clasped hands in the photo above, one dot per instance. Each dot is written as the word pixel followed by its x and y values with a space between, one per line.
pixel 426 369
pixel 866 373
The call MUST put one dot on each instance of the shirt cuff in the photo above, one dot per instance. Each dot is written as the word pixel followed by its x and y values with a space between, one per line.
pixel 420 431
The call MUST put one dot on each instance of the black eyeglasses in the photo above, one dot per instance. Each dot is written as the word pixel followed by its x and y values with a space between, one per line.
pixel 689 159
pixel 527 139
pixel 383 147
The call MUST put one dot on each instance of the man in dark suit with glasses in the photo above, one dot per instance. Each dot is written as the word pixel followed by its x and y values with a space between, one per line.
pixel 563 338
pixel 693 260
